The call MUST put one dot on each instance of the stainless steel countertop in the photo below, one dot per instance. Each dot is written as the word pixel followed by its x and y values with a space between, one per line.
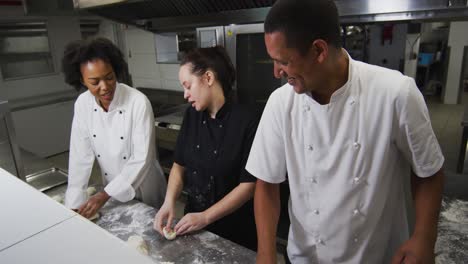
pixel 43 100
pixel 135 218
pixel 31 162
pixel 173 118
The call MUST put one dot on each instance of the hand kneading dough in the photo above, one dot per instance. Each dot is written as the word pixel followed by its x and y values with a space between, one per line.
pixel 139 244
pixel 91 190
pixel 169 234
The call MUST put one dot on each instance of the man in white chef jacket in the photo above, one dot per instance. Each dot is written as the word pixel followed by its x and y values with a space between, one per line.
pixel 112 123
pixel 348 135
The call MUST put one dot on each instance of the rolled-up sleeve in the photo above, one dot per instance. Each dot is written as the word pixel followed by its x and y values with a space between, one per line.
pixel 415 138
pixel 80 162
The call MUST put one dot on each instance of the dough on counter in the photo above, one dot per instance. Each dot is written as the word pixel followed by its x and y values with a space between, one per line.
pixel 95 217
pixel 58 198
pixel 169 234
pixel 139 244
pixel 91 191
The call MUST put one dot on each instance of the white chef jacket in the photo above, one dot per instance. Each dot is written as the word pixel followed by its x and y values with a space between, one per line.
pixel 346 163
pixel 123 141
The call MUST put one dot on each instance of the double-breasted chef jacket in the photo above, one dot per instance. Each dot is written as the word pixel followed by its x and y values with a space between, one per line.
pixel 123 142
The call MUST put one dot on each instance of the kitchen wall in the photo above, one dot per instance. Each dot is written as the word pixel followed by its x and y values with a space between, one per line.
pixel 61 30
pixel 141 53
pixel 434 32
pixel 458 39
pixel 109 30
pixel 387 54
pixel 411 51
pixel 43 130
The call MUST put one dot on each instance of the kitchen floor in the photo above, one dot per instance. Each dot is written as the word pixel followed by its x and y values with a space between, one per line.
pixel 445 122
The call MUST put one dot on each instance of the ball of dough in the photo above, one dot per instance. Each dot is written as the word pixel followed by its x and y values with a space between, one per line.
pixel 91 191
pixel 139 244
pixel 94 217
pixel 58 198
pixel 169 234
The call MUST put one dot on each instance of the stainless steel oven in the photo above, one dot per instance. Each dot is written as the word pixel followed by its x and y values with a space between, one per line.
pixel 246 47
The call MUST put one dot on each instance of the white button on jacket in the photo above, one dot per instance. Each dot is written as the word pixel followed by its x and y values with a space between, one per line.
pixel 375 129
pixel 123 142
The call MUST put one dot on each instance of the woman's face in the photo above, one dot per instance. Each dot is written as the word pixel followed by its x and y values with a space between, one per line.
pixel 196 88
pixel 99 77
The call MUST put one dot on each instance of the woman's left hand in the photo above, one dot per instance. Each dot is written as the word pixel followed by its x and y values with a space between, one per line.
pixel 92 206
pixel 190 223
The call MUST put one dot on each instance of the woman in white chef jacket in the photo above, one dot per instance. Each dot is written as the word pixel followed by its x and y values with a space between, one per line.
pixel 112 123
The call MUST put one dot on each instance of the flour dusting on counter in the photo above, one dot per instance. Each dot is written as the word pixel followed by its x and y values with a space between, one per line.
pixel 135 218
pixel 452 241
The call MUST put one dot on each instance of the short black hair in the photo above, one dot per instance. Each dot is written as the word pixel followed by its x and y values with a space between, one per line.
pixel 304 21
pixel 215 59
pixel 82 51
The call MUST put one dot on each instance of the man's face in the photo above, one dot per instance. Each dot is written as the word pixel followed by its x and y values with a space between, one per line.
pixel 302 71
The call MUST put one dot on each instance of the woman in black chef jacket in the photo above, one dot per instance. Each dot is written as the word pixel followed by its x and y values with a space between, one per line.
pixel 212 148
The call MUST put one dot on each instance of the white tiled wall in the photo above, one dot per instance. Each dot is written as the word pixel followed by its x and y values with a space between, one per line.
pixel 141 54
pixel 412 47
pixel 170 76
pixel 458 39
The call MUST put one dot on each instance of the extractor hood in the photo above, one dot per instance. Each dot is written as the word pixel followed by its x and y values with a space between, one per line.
pixel 172 15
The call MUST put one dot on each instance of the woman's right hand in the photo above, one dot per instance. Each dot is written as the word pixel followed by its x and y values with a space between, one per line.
pixel 164 217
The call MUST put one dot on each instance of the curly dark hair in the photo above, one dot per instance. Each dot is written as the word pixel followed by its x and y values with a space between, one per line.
pixel 215 59
pixel 82 51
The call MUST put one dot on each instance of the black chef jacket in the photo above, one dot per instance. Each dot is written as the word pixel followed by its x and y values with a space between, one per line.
pixel 214 153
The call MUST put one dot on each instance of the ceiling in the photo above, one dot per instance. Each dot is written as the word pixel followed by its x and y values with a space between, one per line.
pixel 172 15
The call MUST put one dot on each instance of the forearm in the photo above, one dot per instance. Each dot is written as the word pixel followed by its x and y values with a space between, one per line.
pixel 103 195
pixel 175 184
pixel 267 211
pixel 231 202
pixel 427 195
pixel 94 204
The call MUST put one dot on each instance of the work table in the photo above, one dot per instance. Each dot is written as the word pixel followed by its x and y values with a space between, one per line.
pixel 135 218
pixel 37 229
